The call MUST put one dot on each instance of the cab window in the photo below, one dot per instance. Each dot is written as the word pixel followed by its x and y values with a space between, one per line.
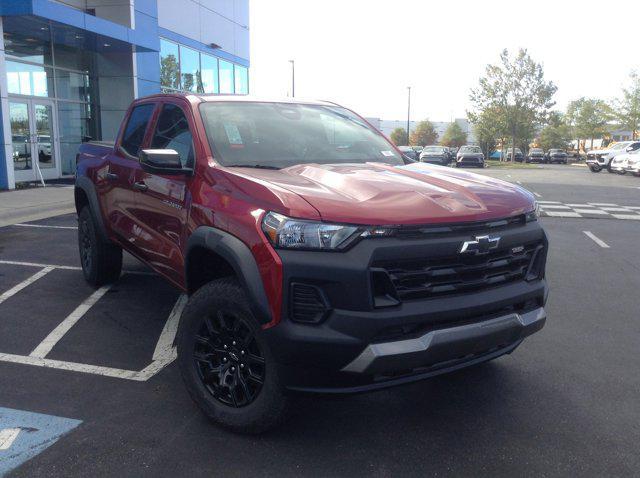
pixel 172 132
pixel 133 135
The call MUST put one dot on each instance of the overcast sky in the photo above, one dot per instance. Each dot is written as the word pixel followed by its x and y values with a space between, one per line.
pixel 364 53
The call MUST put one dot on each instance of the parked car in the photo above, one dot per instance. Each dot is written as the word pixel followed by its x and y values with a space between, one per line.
pixel 312 261
pixel 418 149
pixel 519 157
pixel 435 155
pixel 626 162
pixel 599 159
pixel 497 155
pixel 633 162
pixel 536 155
pixel 557 156
pixel 409 152
pixel 470 155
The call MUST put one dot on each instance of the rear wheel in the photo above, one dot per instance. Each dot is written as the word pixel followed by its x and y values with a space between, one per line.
pixel 595 169
pixel 101 261
pixel 226 363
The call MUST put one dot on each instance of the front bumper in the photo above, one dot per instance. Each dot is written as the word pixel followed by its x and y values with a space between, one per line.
pixel 596 160
pixel 439 346
pixel 363 343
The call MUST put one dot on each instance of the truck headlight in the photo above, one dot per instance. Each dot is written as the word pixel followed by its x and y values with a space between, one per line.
pixel 533 215
pixel 288 233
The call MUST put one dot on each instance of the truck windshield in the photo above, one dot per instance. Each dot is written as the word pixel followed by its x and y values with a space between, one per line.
pixel 278 135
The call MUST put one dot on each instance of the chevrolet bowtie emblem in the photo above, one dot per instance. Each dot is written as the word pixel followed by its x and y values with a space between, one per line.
pixel 480 245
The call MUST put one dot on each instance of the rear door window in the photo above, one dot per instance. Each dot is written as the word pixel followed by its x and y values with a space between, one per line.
pixel 136 127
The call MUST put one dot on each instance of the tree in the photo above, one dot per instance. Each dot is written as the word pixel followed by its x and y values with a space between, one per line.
pixel 588 118
pixel 423 134
pixel 398 136
pixel 517 91
pixel 490 130
pixel 556 134
pixel 169 72
pixel 454 136
pixel 627 110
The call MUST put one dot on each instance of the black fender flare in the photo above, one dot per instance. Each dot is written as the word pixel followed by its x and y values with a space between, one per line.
pixel 241 259
pixel 86 185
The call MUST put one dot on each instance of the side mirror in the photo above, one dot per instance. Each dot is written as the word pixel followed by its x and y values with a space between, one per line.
pixel 161 161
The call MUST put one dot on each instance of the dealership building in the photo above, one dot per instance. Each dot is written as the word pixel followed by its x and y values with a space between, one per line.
pixel 70 68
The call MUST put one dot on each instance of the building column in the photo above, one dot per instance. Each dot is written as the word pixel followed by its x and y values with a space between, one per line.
pixel 6 147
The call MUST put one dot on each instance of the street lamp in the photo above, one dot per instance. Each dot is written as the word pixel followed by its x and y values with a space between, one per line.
pixel 293 78
pixel 408 111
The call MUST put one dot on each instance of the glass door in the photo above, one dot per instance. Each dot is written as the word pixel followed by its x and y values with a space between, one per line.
pixel 34 139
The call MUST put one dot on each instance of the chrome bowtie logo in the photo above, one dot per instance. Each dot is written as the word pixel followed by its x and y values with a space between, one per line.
pixel 480 245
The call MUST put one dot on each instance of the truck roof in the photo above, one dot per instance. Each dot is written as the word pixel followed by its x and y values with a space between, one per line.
pixel 196 98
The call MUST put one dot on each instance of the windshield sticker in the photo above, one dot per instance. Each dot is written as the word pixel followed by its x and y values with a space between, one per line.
pixel 233 134
pixel 387 153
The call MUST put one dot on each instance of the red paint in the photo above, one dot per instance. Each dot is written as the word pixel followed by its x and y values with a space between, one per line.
pixel 155 225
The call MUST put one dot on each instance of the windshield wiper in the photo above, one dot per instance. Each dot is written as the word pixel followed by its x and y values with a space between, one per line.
pixel 256 166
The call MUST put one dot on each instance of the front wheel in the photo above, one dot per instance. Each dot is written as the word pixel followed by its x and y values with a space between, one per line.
pixel 226 363
pixel 101 261
pixel 595 169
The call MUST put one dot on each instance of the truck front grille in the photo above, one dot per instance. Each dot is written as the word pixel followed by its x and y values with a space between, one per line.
pixel 427 278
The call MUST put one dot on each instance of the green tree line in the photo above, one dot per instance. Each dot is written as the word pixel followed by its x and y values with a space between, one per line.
pixel 512 106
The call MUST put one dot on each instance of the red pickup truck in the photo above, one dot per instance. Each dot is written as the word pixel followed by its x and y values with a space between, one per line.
pixel 317 258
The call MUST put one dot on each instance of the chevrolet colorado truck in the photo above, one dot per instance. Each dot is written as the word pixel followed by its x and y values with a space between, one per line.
pixel 316 259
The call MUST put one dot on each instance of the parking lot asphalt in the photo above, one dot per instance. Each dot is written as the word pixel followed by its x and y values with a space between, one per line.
pixel 565 402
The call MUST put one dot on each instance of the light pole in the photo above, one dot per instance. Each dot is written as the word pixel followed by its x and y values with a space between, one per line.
pixel 293 78
pixel 408 111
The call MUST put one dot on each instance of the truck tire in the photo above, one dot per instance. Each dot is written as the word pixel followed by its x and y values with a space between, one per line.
pixel 595 169
pixel 226 363
pixel 101 261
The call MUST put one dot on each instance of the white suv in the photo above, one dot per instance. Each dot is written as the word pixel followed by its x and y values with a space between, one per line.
pixel 597 160
pixel 633 162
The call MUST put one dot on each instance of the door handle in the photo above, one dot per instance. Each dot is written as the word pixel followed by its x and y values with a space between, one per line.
pixel 112 176
pixel 140 186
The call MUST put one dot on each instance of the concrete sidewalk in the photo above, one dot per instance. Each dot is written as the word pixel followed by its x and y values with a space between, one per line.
pixel 35 203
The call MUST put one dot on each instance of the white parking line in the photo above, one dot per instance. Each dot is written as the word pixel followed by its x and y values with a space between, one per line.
pixel 18 287
pixel 33 264
pixel 580 205
pixel 46 226
pixel 164 347
pixel 562 214
pixel 634 217
pixel 69 268
pixel 52 339
pixel 603 204
pixel 616 209
pixel 591 211
pixel 537 195
pixel 76 367
pixel 596 239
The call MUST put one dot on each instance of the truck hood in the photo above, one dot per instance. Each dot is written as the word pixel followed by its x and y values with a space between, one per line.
pixel 381 194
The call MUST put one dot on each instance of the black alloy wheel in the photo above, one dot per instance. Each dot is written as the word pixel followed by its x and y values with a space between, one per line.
pixel 228 359
pixel 86 247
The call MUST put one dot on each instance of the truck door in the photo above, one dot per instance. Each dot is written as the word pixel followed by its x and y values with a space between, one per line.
pixel 119 198
pixel 162 202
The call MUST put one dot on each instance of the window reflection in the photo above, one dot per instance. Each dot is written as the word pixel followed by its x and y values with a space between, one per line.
pixel 209 74
pixel 169 67
pixel 242 80
pixel 190 69
pixel 73 86
pixel 226 77
pixel 32 80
